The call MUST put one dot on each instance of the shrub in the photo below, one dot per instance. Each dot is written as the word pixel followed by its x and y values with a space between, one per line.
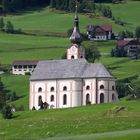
pixel 7 112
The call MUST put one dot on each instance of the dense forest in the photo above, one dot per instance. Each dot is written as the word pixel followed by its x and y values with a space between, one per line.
pixel 14 5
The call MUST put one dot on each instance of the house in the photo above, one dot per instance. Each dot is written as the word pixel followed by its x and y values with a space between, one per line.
pixel 130 46
pixel 99 32
pixel 23 67
pixel 71 82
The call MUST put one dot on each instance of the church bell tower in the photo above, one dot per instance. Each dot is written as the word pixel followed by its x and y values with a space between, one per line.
pixel 76 51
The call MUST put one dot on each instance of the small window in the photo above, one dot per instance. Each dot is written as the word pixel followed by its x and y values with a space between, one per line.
pixel 64 88
pixel 102 87
pixel 40 89
pixel 81 57
pixel 87 87
pixel 52 89
pixel 72 57
pixel 113 87
pixel 64 99
pixel 52 98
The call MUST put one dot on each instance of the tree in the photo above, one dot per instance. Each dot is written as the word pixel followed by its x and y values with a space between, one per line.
pixel 92 54
pixel 52 3
pixel 135 85
pixel 121 35
pixel 7 112
pixel 9 27
pixel 1 24
pixel 137 32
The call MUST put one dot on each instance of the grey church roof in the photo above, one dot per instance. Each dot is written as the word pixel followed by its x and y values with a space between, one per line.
pixel 68 69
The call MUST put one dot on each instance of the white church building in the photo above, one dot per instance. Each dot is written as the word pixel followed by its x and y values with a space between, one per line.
pixel 71 82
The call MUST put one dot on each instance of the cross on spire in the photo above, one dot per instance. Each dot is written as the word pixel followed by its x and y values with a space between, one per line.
pixel 76 11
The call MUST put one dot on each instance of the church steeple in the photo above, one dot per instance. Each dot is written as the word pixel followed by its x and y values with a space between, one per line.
pixel 76 50
pixel 76 37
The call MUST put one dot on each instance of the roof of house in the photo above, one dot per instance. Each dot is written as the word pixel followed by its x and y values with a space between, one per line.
pixel 103 27
pixel 122 43
pixel 25 62
pixel 67 69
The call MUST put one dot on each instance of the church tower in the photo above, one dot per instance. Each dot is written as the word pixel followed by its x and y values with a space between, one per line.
pixel 76 51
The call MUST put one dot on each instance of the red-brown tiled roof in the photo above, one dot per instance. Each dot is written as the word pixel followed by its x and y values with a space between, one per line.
pixel 25 62
pixel 103 27
pixel 122 43
pixel 106 27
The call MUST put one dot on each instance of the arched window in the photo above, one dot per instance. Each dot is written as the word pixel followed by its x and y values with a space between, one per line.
pixel 72 57
pixel 39 89
pixel 40 101
pixel 81 57
pixel 64 99
pixel 87 87
pixel 102 87
pixel 52 89
pixel 64 88
pixel 113 97
pixel 52 98
pixel 101 98
pixel 87 99
pixel 113 87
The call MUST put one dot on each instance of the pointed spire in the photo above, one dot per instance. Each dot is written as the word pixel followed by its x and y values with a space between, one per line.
pixel 76 36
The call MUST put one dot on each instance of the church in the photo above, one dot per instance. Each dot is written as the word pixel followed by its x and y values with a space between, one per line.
pixel 71 82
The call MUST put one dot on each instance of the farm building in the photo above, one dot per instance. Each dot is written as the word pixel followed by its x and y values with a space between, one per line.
pixel 23 67
pixel 130 46
pixel 99 32
pixel 71 82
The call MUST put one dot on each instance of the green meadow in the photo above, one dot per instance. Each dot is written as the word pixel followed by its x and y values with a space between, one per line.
pixel 91 122
pixel 73 123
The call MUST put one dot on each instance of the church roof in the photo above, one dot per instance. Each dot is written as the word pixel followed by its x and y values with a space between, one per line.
pixel 68 69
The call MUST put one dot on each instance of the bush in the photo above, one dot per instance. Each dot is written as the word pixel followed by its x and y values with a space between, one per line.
pixel 7 112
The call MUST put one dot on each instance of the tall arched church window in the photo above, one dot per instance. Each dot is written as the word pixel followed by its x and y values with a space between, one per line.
pixel 113 87
pixel 101 98
pixel 87 99
pixel 102 87
pixel 52 98
pixel 39 100
pixel 64 99
pixel 39 89
pixel 113 97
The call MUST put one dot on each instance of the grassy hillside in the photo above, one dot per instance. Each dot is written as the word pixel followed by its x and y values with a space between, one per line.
pixel 76 121
pixel 45 19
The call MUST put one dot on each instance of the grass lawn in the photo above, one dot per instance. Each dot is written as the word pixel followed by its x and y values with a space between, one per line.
pixel 73 122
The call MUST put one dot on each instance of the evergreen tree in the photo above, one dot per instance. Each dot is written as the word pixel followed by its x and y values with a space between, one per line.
pixel 92 54
pixel 7 112
pixel 9 27
pixel 137 32
pixel 1 24
pixel 52 3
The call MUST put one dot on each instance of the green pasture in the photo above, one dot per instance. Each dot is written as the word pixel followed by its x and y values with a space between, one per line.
pixel 22 47
pixel 85 120
pixel 128 12
pixel 48 20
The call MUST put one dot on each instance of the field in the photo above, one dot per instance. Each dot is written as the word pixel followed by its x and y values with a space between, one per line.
pixel 92 121
pixel 74 122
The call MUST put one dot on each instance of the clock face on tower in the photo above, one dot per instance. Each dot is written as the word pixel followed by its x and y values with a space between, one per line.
pixel 73 49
